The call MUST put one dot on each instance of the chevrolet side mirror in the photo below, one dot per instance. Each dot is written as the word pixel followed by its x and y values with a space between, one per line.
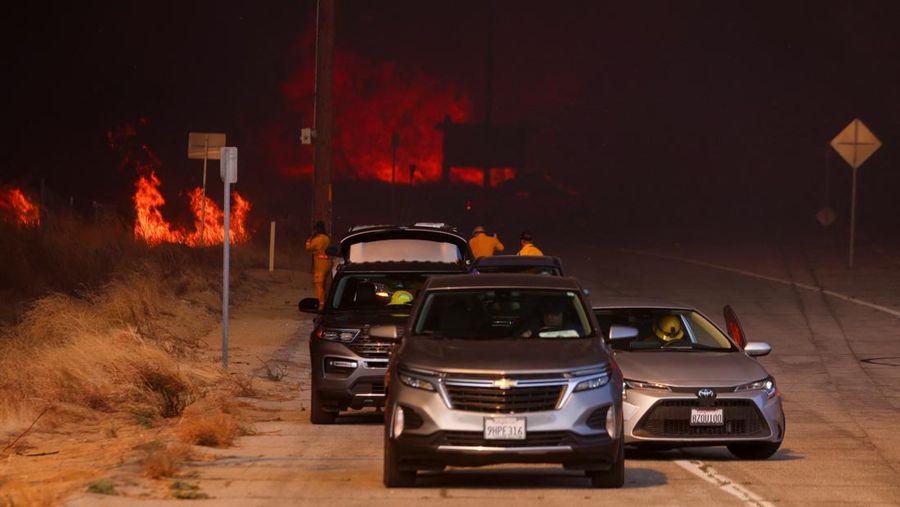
pixel 617 332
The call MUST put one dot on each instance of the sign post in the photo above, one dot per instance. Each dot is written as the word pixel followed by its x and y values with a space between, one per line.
pixel 205 145
pixel 855 144
pixel 228 171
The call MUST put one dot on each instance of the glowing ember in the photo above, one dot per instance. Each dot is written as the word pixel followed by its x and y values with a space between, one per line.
pixel 150 225
pixel 18 208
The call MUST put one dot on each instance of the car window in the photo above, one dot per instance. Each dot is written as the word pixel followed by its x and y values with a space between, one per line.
pixel 664 329
pixel 503 313
pixel 418 250
pixel 376 291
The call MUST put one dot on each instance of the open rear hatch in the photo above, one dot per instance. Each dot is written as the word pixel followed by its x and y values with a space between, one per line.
pixel 405 244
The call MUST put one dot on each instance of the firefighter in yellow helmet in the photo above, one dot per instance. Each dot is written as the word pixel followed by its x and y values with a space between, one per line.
pixel 483 245
pixel 528 247
pixel 668 328
pixel 401 297
pixel 317 242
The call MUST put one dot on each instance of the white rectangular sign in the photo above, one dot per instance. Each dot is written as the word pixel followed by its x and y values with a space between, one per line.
pixel 228 164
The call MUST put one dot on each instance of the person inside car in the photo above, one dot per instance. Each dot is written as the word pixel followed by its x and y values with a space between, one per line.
pixel 550 322
pixel 668 328
pixel 401 297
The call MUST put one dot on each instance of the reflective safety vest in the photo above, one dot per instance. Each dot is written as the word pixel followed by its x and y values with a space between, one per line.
pixel 483 245
pixel 530 249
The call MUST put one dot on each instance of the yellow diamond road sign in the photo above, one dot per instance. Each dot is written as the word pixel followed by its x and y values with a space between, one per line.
pixel 855 143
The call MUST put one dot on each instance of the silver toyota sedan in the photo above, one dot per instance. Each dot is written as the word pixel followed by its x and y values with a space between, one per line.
pixel 687 383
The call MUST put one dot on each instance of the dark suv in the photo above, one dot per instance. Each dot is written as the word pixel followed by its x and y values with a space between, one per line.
pixel 525 264
pixel 383 268
pixel 502 369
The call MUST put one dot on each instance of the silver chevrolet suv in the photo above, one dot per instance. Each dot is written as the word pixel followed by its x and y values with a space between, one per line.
pixel 502 369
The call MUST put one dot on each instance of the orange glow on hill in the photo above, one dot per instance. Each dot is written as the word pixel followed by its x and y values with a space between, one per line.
pixel 16 207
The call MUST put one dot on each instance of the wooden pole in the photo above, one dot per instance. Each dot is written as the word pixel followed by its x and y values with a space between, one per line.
pixel 324 116
pixel 272 247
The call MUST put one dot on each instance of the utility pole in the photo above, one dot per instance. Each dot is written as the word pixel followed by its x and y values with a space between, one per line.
pixel 395 143
pixel 323 114
pixel 489 93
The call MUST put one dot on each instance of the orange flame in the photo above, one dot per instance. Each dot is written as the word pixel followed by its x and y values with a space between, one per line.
pixel 154 229
pixel 19 208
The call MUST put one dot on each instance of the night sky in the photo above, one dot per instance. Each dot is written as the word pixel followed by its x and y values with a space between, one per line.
pixel 721 109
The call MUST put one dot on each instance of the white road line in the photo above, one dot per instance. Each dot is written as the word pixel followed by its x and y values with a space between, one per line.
pixel 708 474
pixel 782 281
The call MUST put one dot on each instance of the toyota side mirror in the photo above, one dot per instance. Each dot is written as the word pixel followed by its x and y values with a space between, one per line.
pixel 757 349
pixel 617 332
pixel 309 305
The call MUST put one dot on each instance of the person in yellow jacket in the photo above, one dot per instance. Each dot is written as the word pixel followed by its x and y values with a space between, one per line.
pixel 317 242
pixel 528 247
pixel 483 245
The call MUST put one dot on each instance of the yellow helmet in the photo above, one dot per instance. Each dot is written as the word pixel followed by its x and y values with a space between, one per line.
pixel 668 328
pixel 401 297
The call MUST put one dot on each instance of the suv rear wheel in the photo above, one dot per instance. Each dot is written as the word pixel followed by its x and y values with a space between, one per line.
pixel 317 413
pixel 394 477
pixel 615 476
pixel 754 450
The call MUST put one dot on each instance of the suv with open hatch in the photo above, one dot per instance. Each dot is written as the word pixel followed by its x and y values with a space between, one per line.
pixel 502 368
pixel 381 272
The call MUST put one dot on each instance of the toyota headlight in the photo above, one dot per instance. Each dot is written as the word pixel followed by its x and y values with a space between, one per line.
pixel 637 384
pixel 337 335
pixel 767 384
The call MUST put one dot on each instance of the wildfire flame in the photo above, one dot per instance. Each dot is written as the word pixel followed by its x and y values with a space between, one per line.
pixel 374 102
pixel 153 228
pixel 15 205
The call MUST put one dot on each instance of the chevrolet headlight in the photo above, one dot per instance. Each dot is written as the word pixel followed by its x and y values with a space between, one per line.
pixel 337 335
pixel 767 384
pixel 416 382
pixel 593 383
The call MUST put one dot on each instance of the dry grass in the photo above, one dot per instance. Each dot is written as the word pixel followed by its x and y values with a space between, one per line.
pixel 210 428
pixel 116 346
pixel 116 349
pixel 161 460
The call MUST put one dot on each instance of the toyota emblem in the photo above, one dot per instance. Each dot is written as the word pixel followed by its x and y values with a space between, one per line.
pixel 706 393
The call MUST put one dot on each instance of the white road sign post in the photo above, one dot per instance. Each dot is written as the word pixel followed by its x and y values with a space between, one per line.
pixel 205 145
pixel 855 144
pixel 228 171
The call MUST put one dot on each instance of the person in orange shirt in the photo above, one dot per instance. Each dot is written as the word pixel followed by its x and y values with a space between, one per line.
pixel 483 245
pixel 528 247
pixel 317 242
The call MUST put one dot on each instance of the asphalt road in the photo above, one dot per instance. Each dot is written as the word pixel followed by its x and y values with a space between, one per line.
pixel 836 357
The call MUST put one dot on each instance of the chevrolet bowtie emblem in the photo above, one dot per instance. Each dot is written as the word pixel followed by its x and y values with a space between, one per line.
pixel 504 383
